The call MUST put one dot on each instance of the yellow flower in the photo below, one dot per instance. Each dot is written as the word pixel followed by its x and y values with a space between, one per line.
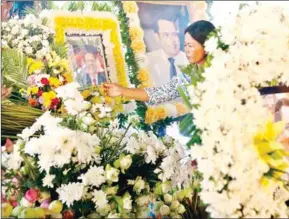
pixel 48 97
pixel 32 90
pixel 30 61
pixel 54 82
pixel 138 46
pixel 150 116
pixel 118 100
pixel 136 33
pixel 143 74
pixel 270 150
pixel 118 108
pixel 68 77
pixel 34 65
pixel 86 93
pixel 108 100
pixel 130 7
pixel 95 100
pixel 160 113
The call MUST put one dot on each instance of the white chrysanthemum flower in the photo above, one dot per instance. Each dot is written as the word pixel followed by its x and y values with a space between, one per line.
pixel 211 44
pixel 94 176
pixel 70 193
pixel 99 198
pixel 47 180
pixel 69 91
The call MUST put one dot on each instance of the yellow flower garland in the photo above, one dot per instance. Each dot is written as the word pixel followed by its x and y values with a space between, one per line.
pixel 136 33
pixel 62 23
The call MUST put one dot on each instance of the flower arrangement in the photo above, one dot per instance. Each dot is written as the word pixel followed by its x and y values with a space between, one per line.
pixel 104 23
pixel 241 157
pixel 46 75
pixel 72 167
pixel 29 35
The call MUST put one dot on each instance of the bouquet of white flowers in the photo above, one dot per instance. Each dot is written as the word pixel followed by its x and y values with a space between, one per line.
pixel 79 166
pixel 28 35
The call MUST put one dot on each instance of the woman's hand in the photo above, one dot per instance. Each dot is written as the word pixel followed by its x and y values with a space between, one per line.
pixel 113 90
pixel 5 92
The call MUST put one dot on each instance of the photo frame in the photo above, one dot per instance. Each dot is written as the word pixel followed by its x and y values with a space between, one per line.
pixel 91 26
pixel 175 16
pixel 276 100
pixel 88 59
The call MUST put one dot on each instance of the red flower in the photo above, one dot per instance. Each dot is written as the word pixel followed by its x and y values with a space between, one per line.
pixel 45 81
pixel 68 214
pixel 32 195
pixel 54 103
pixel 39 94
pixel 194 163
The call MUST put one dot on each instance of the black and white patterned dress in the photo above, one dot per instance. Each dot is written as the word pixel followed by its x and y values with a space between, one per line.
pixel 167 92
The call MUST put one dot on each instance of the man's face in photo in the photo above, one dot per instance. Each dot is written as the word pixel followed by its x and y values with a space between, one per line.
pixel 169 37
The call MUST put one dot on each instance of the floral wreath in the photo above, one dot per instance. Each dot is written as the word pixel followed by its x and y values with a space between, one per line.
pixel 241 156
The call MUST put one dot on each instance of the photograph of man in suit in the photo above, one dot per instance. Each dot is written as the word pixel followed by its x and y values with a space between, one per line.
pixel 93 72
pixel 164 63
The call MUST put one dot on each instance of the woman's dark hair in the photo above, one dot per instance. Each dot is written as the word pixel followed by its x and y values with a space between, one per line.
pixel 200 30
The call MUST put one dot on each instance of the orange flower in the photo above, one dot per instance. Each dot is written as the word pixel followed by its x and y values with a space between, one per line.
pixel 32 102
pixel 181 109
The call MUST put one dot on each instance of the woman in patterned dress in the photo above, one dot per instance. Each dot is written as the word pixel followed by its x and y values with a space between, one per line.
pixel 195 37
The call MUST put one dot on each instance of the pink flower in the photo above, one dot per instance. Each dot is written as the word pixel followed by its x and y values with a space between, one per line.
pixel 9 145
pixel 16 182
pixel 14 203
pixel 32 195
pixel 3 198
pixel 2 174
pixel 45 204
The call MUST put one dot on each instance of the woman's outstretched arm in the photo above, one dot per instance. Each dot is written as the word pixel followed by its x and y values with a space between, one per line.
pixel 115 90
pixel 153 95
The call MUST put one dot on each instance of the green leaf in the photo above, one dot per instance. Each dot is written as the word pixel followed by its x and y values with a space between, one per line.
pixel 185 97
pixel 60 49
pixel 14 68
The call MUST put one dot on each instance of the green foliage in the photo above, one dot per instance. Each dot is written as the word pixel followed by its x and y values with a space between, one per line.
pixel 74 6
pixel 103 6
pixel 60 49
pixel 48 5
pixel 31 10
pixel 14 68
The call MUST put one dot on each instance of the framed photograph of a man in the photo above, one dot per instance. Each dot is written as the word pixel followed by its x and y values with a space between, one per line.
pixel 164 24
pixel 88 60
